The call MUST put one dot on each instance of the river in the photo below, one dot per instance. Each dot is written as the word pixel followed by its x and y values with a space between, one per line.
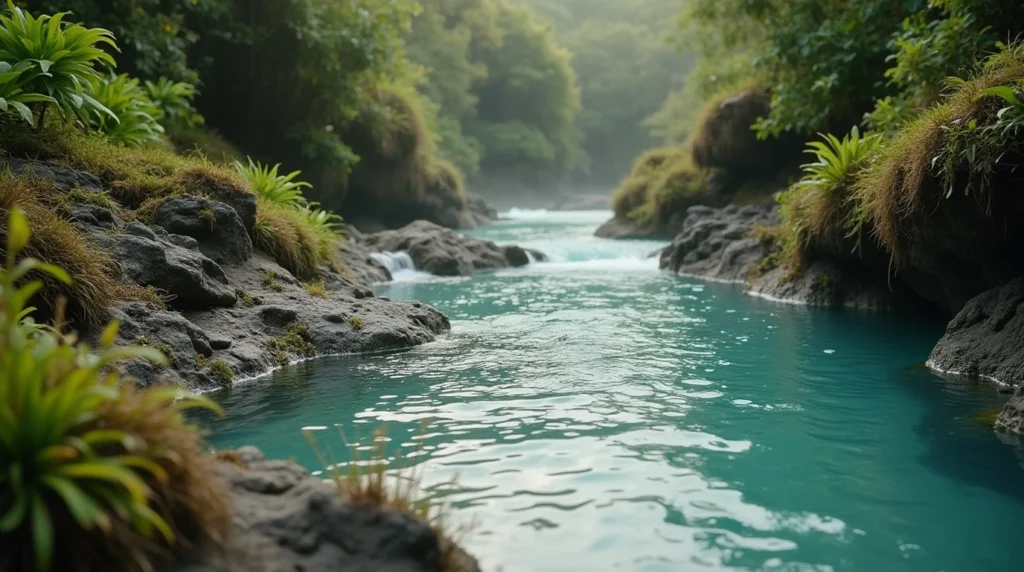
pixel 602 415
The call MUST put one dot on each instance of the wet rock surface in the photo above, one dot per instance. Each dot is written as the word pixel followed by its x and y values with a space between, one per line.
pixel 719 244
pixel 286 520
pixel 986 339
pixel 444 252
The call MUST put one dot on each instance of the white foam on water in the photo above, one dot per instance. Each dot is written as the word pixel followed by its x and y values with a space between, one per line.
pixel 401 266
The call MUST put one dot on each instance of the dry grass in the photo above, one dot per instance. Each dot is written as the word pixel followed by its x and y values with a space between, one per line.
pixel 282 232
pixel 316 289
pixel 633 192
pixel 899 195
pixel 55 240
pixel 381 483
pixel 191 500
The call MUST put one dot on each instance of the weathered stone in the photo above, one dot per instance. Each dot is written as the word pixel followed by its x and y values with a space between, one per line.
pixel 63 178
pixel 217 227
pixel 444 252
pixel 193 280
pixel 287 520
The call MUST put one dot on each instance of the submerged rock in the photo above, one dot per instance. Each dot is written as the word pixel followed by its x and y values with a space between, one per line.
pixel 287 520
pixel 444 252
pixel 986 339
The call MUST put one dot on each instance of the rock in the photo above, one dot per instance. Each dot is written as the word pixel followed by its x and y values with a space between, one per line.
pixel 225 190
pixel 363 268
pixel 581 202
pixel 717 243
pixel 92 215
pixel 193 280
pixel 287 520
pixel 170 332
pixel 478 213
pixel 987 337
pixel 64 179
pixel 242 335
pixel 624 228
pixel 444 252
pixel 217 227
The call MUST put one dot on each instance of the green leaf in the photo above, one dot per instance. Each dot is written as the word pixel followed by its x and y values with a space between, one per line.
pixel 1003 92
pixel 42 534
pixel 17 233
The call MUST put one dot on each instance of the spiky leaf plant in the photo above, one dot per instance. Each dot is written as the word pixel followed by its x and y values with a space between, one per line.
pixel 268 184
pixel 133 119
pixel 65 57
pixel 83 471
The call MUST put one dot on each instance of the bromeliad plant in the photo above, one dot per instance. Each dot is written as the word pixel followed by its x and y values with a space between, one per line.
pixel 269 185
pixel 174 100
pixel 13 96
pixel 88 466
pixel 132 120
pixel 837 159
pixel 63 59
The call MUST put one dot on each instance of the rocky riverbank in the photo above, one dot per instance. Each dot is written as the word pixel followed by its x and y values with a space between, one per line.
pixel 287 520
pixel 984 339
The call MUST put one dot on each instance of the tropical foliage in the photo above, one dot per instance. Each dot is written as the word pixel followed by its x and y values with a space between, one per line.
pixel 132 120
pixel 89 463
pixel 55 59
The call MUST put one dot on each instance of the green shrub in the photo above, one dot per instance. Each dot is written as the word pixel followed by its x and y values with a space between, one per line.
pixel 270 186
pixel 132 120
pixel 356 322
pixel 956 150
pixel 91 466
pixel 64 56
pixel 13 97
pixel 174 102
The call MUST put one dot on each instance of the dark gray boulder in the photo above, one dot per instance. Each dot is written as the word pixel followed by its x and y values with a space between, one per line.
pixel 444 252
pixel 986 339
pixel 189 277
pixel 170 332
pixel 286 520
pixel 63 178
pixel 217 227
pixel 622 228
pixel 718 243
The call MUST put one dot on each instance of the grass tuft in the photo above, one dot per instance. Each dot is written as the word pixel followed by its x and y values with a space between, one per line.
pixel 316 289
pixel 356 322
pixel 295 342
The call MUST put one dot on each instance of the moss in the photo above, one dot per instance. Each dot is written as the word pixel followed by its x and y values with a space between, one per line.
pixel 209 217
pixel 270 281
pixel 904 194
pixel 56 240
pixel 296 341
pixel 632 193
pixel 247 299
pixel 203 142
pixel 723 137
pixel 219 369
pixel 146 341
pixel 316 289
pixel 356 322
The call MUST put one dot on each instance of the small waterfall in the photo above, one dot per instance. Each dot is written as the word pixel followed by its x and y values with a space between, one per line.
pixel 395 262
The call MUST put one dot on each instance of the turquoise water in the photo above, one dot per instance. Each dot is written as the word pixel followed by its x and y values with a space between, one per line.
pixel 601 415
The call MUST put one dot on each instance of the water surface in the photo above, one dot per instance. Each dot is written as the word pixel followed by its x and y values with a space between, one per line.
pixel 602 415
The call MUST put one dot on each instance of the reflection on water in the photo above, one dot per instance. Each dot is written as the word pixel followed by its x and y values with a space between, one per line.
pixel 601 415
